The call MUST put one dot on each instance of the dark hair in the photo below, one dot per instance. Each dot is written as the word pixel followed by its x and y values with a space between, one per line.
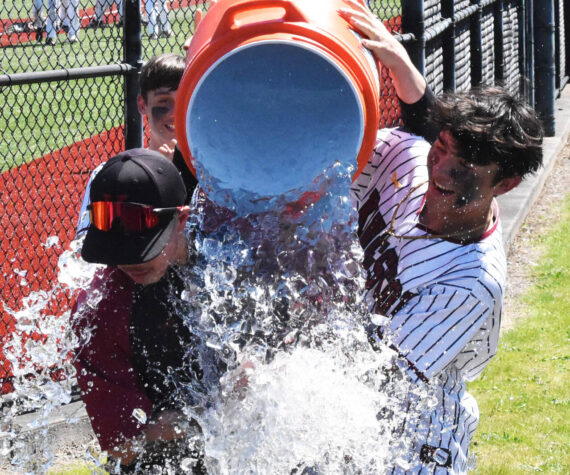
pixel 490 125
pixel 164 70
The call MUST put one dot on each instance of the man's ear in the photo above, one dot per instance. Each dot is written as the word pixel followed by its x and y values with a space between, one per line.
pixel 506 184
pixel 183 217
pixel 141 103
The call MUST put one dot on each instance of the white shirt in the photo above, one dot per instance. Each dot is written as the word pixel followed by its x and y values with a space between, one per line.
pixel 443 300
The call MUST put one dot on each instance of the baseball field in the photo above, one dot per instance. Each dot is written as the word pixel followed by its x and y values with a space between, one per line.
pixel 54 134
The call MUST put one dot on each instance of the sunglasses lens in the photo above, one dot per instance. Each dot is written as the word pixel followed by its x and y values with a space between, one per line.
pixel 131 217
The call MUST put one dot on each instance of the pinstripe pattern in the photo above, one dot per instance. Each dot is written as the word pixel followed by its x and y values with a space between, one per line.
pixel 443 299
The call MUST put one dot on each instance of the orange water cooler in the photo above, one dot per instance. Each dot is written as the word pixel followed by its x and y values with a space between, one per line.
pixel 274 92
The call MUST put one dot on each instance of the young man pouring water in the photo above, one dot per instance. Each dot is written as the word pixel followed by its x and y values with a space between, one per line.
pixel 430 229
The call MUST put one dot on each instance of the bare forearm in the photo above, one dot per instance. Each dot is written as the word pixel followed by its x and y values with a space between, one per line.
pixel 409 82
pixel 169 426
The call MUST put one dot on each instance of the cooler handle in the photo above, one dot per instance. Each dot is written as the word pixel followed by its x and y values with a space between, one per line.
pixel 228 20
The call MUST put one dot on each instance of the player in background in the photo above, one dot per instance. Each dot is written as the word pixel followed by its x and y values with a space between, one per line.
pixel 59 13
pixel 158 21
pixel 159 81
pixel 430 229
pixel 101 6
pixel 38 18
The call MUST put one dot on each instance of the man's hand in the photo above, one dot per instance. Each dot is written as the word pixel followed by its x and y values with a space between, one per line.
pixel 167 426
pixel 167 149
pixel 409 83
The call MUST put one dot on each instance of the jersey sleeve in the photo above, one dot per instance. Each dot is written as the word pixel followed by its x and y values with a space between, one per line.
pixel 106 377
pixel 438 326
pixel 416 116
pixel 110 400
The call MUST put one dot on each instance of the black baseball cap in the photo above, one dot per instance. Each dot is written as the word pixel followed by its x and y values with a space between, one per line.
pixel 136 176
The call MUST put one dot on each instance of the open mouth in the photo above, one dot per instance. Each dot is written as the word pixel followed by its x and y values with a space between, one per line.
pixel 169 127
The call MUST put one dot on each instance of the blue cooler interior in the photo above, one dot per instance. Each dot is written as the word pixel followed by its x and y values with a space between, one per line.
pixel 267 119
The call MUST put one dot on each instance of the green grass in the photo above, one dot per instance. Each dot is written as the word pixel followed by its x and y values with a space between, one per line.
pixel 15 9
pixel 78 469
pixel 385 9
pixel 524 395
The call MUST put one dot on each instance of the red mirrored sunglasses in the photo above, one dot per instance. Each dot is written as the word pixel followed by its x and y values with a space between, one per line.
pixel 133 217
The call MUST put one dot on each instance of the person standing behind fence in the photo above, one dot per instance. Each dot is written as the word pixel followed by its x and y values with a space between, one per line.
pixel 101 7
pixel 158 21
pixel 38 19
pixel 55 20
pixel 70 19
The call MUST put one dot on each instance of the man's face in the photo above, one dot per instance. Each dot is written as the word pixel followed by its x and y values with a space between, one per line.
pixel 456 186
pixel 148 272
pixel 159 108
pixel 152 271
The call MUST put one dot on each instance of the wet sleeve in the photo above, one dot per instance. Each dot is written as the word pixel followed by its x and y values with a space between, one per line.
pixel 111 396
pixel 107 380
pixel 435 327
pixel 415 116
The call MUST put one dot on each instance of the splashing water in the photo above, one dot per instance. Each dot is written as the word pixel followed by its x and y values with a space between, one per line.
pixel 278 298
pixel 39 351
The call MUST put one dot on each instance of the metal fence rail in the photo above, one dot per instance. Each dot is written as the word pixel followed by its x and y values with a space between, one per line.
pixel 68 106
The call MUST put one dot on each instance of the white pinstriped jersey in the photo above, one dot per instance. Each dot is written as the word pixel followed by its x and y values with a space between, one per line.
pixel 443 300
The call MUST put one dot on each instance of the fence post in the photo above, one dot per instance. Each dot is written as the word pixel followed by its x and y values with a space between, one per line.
pixel 477 46
pixel 413 22
pixel 567 40
pixel 561 17
pixel 499 39
pixel 545 68
pixel 449 47
pixel 132 52
pixel 528 53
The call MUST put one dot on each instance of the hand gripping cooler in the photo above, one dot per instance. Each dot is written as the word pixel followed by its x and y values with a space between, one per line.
pixel 274 92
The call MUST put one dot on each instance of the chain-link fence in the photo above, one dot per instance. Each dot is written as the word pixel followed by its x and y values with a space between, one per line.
pixel 68 86
pixel 67 72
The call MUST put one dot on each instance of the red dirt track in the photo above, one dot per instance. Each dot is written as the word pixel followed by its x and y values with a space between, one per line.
pixel 38 200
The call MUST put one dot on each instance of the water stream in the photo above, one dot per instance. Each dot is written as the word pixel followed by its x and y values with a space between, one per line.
pixel 277 298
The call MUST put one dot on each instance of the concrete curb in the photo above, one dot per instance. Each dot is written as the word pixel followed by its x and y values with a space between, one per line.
pixel 516 204
pixel 66 430
pixel 69 425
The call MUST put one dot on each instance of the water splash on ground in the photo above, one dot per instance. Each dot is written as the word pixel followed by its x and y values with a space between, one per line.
pixel 40 352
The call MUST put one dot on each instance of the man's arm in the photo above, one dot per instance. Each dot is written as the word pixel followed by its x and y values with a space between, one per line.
pixel 411 87
pixel 119 410
pixel 409 82
pixel 105 375
pixel 436 327
pixel 168 426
